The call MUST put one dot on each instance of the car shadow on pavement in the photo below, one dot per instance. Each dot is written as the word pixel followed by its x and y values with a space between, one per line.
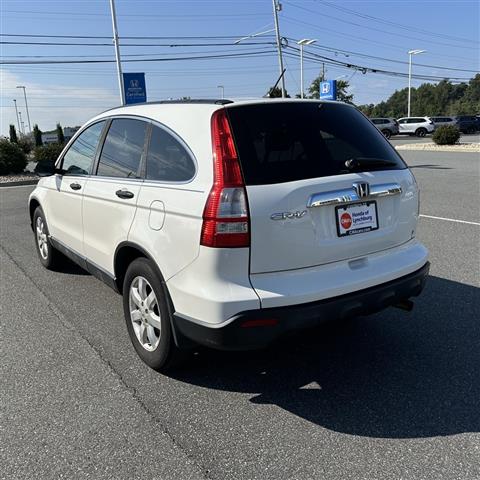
pixel 390 375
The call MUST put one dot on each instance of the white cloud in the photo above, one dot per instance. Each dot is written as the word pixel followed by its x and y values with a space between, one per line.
pixel 49 103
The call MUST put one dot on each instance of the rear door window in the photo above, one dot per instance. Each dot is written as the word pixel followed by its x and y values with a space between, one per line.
pixel 167 159
pixel 123 148
pixel 285 142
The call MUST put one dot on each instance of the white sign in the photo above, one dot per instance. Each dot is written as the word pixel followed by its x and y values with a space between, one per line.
pixel 357 218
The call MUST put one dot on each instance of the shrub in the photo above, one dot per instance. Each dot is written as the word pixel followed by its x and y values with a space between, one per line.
pixel 446 135
pixel 47 153
pixel 25 143
pixel 12 158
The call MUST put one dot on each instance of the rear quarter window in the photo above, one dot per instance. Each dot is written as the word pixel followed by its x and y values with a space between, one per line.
pixel 284 142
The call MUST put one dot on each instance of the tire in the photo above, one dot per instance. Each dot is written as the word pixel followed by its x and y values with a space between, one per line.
pixel 421 132
pixel 48 255
pixel 387 133
pixel 148 317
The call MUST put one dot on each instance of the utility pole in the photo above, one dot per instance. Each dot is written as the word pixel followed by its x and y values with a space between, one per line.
pixel 16 111
pixel 26 106
pixel 223 90
pixel 276 8
pixel 117 52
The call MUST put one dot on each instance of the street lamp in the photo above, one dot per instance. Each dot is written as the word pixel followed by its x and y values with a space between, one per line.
pixel 22 125
pixel 26 105
pixel 302 43
pixel 410 54
pixel 223 90
pixel 16 110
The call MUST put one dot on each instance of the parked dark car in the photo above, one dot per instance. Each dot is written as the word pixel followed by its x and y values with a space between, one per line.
pixel 467 123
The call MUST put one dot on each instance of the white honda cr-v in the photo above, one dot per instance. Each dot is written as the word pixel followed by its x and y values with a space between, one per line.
pixel 229 224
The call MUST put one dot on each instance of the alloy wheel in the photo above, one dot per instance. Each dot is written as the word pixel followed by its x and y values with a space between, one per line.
pixel 42 238
pixel 145 313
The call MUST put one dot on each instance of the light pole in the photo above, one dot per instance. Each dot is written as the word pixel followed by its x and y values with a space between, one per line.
pixel 26 106
pixel 223 90
pixel 410 55
pixel 277 7
pixel 117 52
pixel 21 128
pixel 16 111
pixel 302 43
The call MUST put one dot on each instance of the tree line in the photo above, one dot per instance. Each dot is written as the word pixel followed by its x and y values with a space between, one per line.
pixel 443 98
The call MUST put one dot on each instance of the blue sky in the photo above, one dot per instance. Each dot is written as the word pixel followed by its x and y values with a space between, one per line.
pixel 347 31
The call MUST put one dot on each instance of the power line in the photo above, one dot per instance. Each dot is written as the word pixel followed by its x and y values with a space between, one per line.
pixel 153 37
pixel 323 14
pixel 364 55
pixel 200 57
pixel 332 61
pixel 395 24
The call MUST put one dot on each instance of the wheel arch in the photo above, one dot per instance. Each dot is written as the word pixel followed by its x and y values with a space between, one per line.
pixel 125 253
pixel 33 204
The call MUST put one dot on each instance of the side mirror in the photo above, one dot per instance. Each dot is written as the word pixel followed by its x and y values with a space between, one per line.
pixel 47 168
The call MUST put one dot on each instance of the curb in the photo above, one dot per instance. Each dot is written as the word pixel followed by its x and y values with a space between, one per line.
pixel 19 183
pixel 447 148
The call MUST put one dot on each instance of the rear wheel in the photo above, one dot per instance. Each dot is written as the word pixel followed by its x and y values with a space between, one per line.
pixel 148 316
pixel 421 132
pixel 49 256
pixel 387 133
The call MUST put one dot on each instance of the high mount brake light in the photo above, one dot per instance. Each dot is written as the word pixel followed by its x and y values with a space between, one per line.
pixel 225 217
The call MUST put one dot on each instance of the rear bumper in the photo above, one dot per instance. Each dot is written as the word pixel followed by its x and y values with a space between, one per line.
pixel 234 335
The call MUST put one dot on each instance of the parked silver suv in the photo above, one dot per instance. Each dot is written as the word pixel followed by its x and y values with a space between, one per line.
pixel 388 126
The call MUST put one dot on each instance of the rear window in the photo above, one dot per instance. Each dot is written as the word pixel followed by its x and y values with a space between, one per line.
pixel 285 142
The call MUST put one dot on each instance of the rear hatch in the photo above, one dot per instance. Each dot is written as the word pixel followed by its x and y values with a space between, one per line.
pixel 323 184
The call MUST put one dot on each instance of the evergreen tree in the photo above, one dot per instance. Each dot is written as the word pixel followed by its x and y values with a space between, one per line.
pixel 60 137
pixel 37 135
pixel 13 134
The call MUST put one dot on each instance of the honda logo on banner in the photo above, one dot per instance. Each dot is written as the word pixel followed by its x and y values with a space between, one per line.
pixel 328 90
pixel 135 90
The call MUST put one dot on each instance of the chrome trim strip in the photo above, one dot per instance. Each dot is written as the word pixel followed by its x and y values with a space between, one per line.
pixel 339 197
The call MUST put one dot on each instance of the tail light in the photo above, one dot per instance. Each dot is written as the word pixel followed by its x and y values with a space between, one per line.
pixel 225 217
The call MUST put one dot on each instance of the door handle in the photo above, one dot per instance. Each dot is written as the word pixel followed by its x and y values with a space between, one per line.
pixel 75 186
pixel 124 194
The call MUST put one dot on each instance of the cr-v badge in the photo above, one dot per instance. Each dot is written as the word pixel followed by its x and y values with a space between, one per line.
pixel 287 215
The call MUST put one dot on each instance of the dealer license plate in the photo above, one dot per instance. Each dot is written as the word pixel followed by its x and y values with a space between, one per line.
pixel 356 218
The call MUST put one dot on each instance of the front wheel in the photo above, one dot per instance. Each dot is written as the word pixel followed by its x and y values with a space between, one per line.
pixel 147 314
pixel 421 132
pixel 49 256
pixel 387 133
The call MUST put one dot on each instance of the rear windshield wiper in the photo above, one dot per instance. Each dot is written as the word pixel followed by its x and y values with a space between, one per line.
pixel 358 162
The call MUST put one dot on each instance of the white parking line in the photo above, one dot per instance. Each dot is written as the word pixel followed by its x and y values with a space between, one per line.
pixel 450 220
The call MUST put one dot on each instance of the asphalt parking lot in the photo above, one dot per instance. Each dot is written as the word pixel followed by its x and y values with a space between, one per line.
pixel 392 396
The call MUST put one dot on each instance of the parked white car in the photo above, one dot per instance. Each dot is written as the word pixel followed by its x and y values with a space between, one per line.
pixel 229 224
pixel 419 126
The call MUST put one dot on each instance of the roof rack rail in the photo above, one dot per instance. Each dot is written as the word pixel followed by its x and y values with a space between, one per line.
pixel 205 101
